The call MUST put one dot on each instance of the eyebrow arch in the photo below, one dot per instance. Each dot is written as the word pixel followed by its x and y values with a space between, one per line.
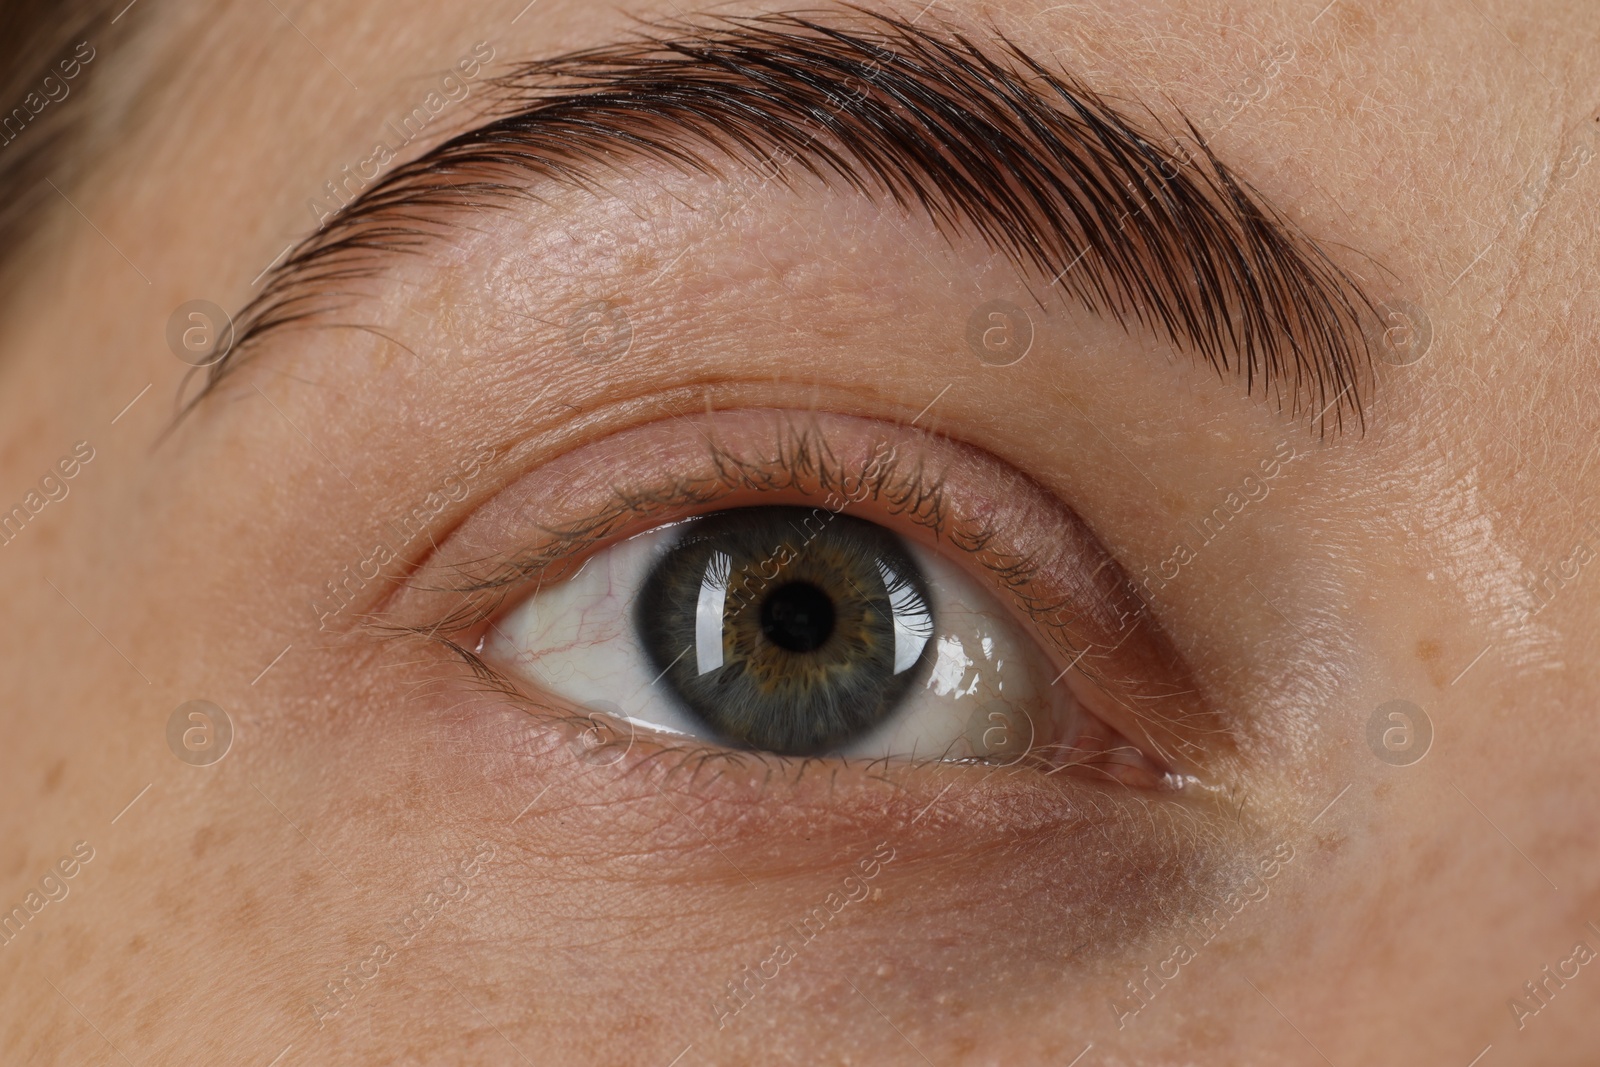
pixel 1144 225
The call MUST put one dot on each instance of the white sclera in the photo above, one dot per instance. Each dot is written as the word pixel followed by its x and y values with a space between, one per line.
pixel 982 690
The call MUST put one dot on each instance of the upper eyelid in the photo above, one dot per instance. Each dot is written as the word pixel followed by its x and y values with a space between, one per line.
pixel 909 496
pixel 1034 161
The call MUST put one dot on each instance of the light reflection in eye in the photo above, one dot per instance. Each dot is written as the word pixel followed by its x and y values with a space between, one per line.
pixel 850 613
pixel 913 622
pixel 949 677
pixel 709 611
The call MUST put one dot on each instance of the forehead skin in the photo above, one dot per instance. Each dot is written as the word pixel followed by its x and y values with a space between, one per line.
pixel 1440 151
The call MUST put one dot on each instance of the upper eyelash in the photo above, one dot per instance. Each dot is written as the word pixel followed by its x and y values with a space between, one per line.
pixel 1032 160
pixel 803 453
pixel 803 456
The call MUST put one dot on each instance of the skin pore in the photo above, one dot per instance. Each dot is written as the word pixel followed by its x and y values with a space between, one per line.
pixel 399 861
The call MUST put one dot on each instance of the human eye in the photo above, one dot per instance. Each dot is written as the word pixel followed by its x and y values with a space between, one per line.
pixel 815 586
pixel 1053 714
pixel 798 631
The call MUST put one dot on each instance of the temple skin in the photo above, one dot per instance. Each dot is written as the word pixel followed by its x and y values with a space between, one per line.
pixel 391 865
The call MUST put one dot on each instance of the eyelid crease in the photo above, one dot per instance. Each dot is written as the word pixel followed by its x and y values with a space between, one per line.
pixel 804 462
pixel 1066 586
pixel 1032 160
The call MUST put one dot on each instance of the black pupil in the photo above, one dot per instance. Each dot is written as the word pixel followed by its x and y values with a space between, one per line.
pixel 797 617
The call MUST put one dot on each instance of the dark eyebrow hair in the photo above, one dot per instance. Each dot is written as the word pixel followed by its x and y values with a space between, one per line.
pixel 988 143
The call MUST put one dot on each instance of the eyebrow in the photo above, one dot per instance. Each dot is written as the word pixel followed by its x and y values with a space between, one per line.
pixel 1136 222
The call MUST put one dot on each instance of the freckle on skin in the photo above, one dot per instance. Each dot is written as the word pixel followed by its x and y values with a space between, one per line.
pixel 1430 653
pixel 1353 23
pixel 248 914
pixel 52 777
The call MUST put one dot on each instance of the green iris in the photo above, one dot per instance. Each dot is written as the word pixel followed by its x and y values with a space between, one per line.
pixel 787 629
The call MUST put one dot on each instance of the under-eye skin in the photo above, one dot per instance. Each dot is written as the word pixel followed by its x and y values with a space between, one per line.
pixel 815 586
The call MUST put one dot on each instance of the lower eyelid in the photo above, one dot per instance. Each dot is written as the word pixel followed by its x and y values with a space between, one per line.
pixel 1089 870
